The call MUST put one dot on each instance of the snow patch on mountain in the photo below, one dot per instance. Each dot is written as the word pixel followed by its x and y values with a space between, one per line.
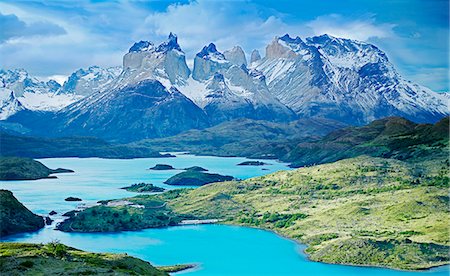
pixel 344 79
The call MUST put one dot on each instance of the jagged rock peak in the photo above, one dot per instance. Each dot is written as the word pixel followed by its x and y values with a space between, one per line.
pixel 170 44
pixel 141 46
pixel 255 56
pixel 288 39
pixel 209 50
pixel 236 56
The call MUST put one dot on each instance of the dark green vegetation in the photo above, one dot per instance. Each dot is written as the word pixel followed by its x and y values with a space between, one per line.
pixel 144 188
pixel 392 137
pixel 17 168
pixel 16 218
pixel 38 147
pixel 123 215
pixel 71 198
pixel 246 138
pixel 58 259
pixel 196 178
pixel 196 169
pixel 252 163
pixel 162 167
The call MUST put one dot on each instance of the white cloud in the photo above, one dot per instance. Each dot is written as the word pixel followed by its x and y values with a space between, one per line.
pixel 224 23
pixel 360 29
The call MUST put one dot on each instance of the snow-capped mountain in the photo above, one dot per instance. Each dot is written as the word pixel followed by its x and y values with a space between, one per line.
pixel 223 88
pixel 32 93
pixel 165 63
pixel 84 82
pixel 226 89
pixel 156 94
pixel 9 105
pixel 343 79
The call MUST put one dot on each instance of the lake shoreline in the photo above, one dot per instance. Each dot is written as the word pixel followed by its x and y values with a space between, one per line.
pixel 306 255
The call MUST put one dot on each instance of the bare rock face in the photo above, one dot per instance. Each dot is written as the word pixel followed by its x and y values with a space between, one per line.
pixel 255 56
pixel 236 56
pixel 207 62
pixel 147 61
pixel 277 50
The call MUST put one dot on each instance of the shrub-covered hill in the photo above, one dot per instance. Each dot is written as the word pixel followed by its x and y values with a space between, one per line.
pixel 384 212
pixel 18 168
pixel 59 259
pixel 381 211
pixel 392 137
pixel 16 218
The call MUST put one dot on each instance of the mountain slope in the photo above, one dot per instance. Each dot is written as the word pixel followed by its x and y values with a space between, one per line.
pixel 9 105
pixel 227 89
pixel 32 93
pixel 392 137
pixel 343 79
pixel 84 82
pixel 245 137
pixel 16 218
pixel 143 110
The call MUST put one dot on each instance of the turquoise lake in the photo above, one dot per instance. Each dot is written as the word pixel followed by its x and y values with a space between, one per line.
pixel 217 249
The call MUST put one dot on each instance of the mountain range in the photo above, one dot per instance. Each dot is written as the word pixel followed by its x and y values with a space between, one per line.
pixel 156 94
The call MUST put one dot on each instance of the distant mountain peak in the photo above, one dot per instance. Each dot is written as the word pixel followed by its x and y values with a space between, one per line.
pixel 236 56
pixel 170 44
pixel 141 46
pixel 287 38
pixel 208 50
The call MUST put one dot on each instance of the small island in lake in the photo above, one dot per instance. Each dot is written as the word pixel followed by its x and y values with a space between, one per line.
pixel 19 168
pixel 162 167
pixel 144 188
pixel 195 178
pixel 196 169
pixel 252 163
pixel 71 198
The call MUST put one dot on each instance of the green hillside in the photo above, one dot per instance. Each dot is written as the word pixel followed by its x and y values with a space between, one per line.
pixel 16 218
pixel 58 259
pixel 392 137
pixel 380 210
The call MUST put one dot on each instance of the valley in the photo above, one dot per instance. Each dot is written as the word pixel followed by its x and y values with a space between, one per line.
pixel 317 156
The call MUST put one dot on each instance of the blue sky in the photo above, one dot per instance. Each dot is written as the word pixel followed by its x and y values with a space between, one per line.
pixel 50 38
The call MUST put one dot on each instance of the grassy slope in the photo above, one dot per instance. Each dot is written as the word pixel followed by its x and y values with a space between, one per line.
pixel 38 147
pixel 16 218
pixel 364 211
pixel 58 259
pixel 392 137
